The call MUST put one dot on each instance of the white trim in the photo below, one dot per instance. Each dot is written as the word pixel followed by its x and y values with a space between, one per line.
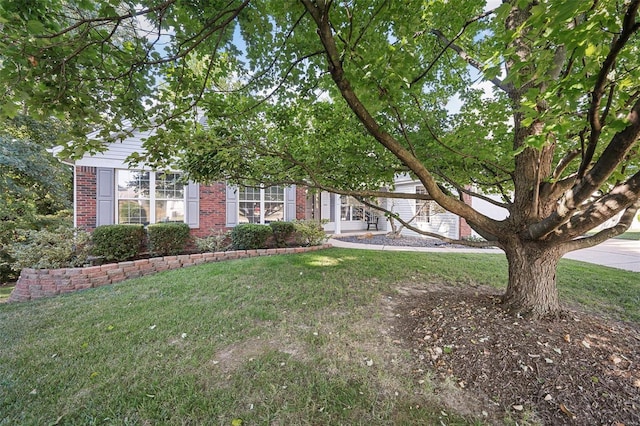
pixel 75 196
pixel 338 213
pixel 152 195
pixel 262 203
pixel 110 163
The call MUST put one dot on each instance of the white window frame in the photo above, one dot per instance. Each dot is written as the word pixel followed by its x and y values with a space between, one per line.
pixel 422 207
pixel 152 195
pixel 262 202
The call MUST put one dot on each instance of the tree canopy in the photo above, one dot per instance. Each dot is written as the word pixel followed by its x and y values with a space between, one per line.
pixel 537 101
pixel 32 180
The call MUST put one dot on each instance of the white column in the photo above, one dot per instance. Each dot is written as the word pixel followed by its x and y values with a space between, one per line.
pixel 337 214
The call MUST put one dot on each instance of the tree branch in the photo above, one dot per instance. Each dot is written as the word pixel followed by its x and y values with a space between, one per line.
pixel 450 44
pixel 321 18
pixel 473 194
pixel 629 27
pixel 464 55
pixel 105 19
pixel 392 215
pixel 602 209
pixel 619 228
pixel 611 157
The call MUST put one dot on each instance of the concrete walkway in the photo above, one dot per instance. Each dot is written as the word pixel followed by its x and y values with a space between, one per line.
pixel 620 254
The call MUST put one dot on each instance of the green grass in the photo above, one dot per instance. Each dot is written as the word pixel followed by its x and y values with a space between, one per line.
pixel 635 236
pixel 5 292
pixel 282 340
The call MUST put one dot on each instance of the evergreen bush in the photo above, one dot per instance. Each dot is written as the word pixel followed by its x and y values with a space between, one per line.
pixel 116 243
pixel 282 231
pixel 250 236
pixel 167 239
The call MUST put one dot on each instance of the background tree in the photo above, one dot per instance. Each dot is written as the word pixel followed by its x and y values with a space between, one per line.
pixel 33 183
pixel 343 95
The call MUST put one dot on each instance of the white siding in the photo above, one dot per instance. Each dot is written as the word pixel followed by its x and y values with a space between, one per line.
pixel 116 153
pixel 446 224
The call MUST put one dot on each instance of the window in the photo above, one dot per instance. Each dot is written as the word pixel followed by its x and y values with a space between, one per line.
pixel 352 209
pixel 423 208
pixel 149 197
pixel 261 205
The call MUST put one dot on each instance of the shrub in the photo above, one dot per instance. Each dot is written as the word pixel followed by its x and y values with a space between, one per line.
pixel 63 218
pixel 168 238
pixel 282 231
pixel 309 233
pixel 250 236
pixel 19 216
pixel 118 242
pixel 217 241
pixel 49 249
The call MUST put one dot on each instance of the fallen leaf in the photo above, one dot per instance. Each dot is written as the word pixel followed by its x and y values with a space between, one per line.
pixel 566 411
pixel 567 338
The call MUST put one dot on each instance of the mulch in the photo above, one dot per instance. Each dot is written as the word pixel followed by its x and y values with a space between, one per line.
pixel 580 369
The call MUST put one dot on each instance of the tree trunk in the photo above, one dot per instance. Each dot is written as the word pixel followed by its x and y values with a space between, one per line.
pixel 532 289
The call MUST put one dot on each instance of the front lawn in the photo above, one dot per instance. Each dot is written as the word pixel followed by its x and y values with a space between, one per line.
pixel 5 291
pixel 295 339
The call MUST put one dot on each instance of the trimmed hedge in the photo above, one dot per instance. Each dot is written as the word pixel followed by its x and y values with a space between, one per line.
pixel 282 231
pixel 250 236
pixel 167 239
pixel 118 242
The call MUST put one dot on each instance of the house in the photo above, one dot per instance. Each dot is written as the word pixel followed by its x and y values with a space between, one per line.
pixel 107 192
pixel 427 215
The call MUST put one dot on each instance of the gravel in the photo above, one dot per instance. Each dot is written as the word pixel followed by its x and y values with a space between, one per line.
pixel 383 240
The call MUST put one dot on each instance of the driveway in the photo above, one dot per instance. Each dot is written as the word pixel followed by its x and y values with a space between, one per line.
pixel 621 254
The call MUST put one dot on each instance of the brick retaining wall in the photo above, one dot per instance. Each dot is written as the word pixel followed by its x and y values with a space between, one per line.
pixel 40 283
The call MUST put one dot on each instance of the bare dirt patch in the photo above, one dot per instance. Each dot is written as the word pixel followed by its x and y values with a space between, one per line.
pixel 578 370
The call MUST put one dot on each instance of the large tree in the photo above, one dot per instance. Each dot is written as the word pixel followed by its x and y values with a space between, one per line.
pixel 537 101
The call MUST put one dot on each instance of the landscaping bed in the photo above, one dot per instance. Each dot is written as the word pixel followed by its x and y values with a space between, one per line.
pixel 578 369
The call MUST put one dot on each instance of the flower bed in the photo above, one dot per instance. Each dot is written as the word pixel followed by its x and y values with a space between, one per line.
pixel 40 283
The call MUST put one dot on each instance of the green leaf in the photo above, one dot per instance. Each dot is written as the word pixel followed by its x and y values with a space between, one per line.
pixel 35 27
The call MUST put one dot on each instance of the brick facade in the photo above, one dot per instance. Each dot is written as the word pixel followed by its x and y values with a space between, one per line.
pixel 212 203
pixel 301 203
pixel 465 230
pixel 213 209
pixel 85 197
